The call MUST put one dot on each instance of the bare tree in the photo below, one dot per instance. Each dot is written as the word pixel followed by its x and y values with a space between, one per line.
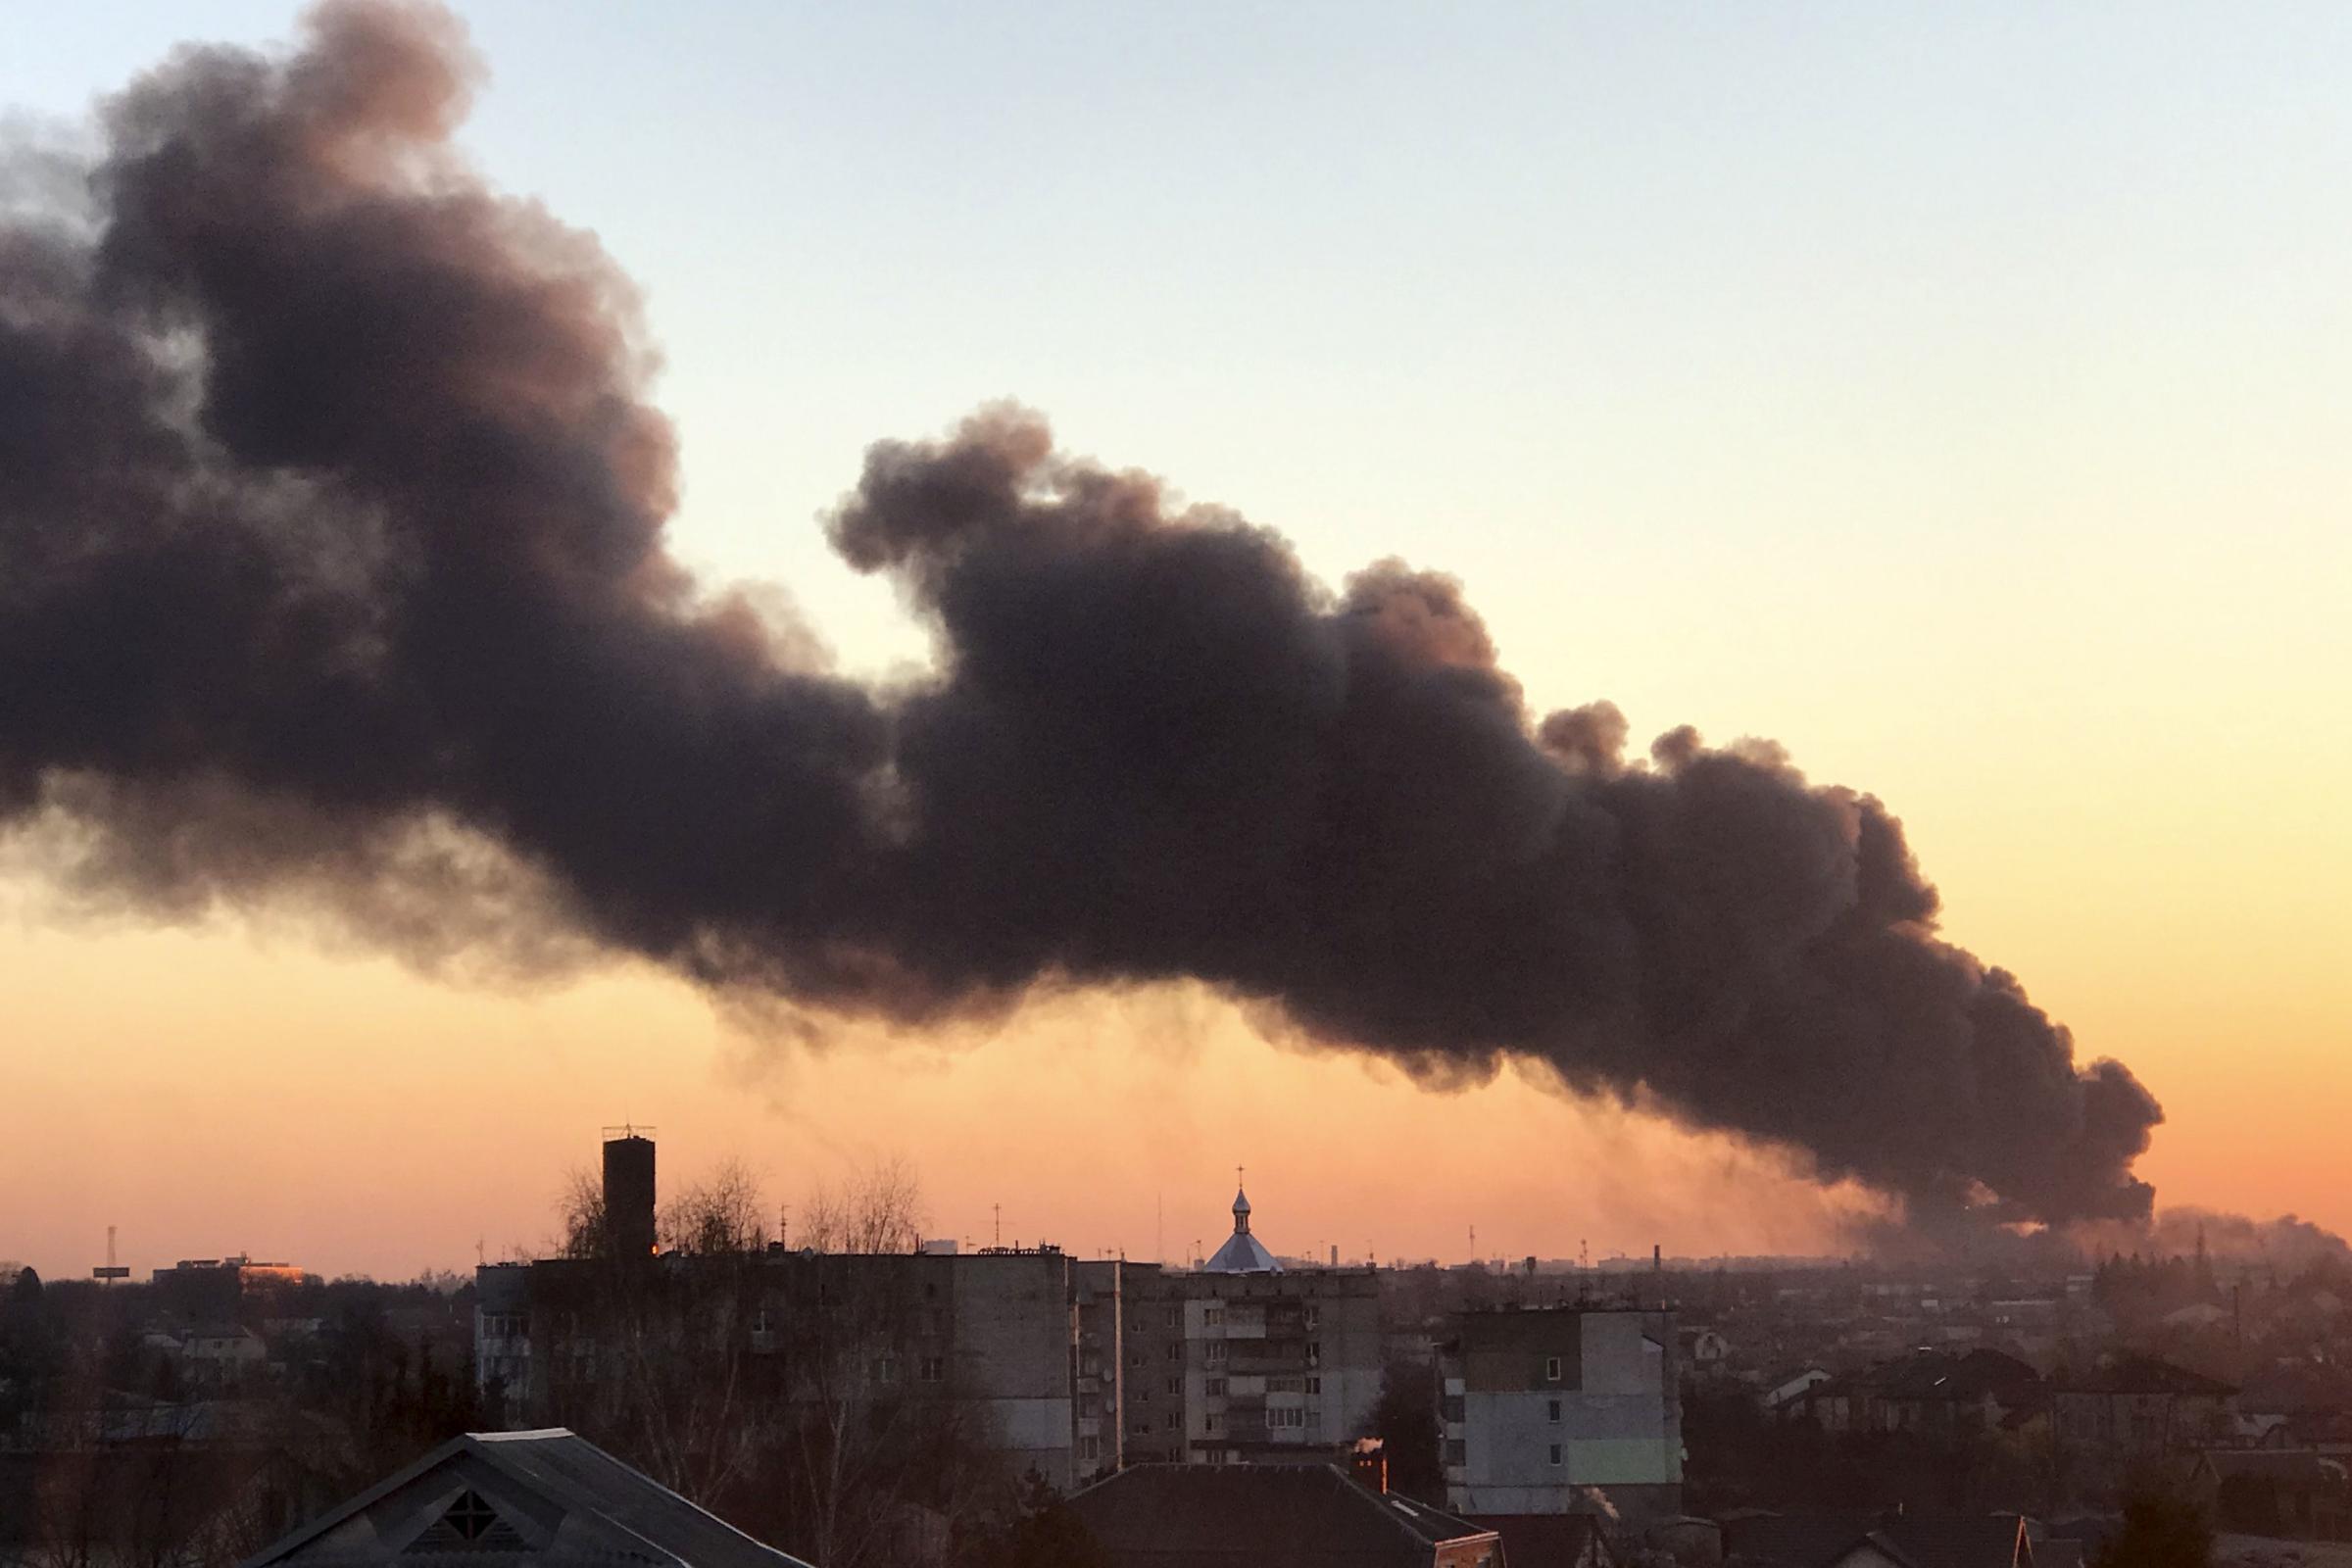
pixel 723 1213
pixel 880 1209
pixel 581 1211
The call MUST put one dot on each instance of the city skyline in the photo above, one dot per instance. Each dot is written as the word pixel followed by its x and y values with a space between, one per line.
pixel 2043 559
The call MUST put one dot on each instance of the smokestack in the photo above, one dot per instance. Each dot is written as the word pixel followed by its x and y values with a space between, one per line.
pixel 332 572
pixel 629 1192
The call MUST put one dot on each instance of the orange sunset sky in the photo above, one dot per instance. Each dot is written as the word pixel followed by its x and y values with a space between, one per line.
pixel 1966 410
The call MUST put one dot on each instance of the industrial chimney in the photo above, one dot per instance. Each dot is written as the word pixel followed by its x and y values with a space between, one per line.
pixel 630 1190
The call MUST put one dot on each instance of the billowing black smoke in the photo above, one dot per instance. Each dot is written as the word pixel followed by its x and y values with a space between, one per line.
pixel 330 552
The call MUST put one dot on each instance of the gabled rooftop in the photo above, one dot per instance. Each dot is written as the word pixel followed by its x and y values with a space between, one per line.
pixel 547 1499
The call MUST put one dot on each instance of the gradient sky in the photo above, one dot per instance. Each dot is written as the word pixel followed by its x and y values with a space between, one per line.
pixel 1963 399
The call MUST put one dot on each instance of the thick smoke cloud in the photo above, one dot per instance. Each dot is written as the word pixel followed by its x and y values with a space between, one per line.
pixel 331 559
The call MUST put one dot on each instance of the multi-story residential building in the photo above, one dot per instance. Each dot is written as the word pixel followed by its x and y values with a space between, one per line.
pixel 1072 1368
pixel 220 1356
pixel 989 1341
pixel 1929 1391
pixel 1565 1410
pixel 1242 1360
pixel 1100 1286
pixel 2139 1408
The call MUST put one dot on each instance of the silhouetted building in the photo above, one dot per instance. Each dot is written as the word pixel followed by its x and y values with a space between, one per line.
pixel 985 1341
pixel 214 1288
pixel 629 1194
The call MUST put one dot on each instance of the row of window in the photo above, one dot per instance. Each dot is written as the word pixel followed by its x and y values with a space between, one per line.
pixel 927 1369
pixel 1456 1454
pixel 1214 1387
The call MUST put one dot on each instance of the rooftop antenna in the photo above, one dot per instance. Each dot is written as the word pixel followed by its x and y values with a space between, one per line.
pixel 1160 1226
pixel 997 1210
pixel 1473 1244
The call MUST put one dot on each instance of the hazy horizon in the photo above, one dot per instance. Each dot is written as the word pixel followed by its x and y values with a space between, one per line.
pixel 1956 400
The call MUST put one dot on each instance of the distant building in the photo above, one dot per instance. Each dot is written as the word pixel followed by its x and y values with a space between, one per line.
pixel 220 1356
pixel 1565 1410
pixel 992 1334
pixel 1246 1516
pixel 523 1500
pixel 1930 1392
pixel 2136 1407
pixel 1242 1360
pixel 1788 1387
pixel 2299 1493
pixel 212 1289
pixel 990 1341
pixel 1069 1367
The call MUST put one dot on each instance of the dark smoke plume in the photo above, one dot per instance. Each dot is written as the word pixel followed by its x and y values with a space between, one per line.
pixel 331 559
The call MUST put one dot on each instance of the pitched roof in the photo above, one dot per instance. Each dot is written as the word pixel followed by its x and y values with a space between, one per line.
pixel 1928 1374
pixel 569 1500
pixel 1242 1254
pixel 1919 1540
pixel 1264 1516
pixel 2144 1374
pixel 2301 1466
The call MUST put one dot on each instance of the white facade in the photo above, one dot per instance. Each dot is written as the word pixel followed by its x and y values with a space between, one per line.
pixel 1542 1409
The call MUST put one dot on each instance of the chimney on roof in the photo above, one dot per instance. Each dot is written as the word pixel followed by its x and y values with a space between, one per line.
pixel 1369 1464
